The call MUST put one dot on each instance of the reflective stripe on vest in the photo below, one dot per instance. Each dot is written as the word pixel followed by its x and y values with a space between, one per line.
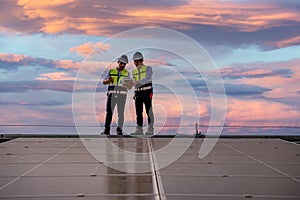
pixel 114 74
pixel 139 73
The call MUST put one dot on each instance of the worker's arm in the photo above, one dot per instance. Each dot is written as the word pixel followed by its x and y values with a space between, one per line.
pixel 108 79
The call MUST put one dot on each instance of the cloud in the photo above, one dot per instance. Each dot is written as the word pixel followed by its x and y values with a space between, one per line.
pixel 241 21
pixel 159 62
pixel 87 48
pixel 23 86
pixel 244 90
pixel 52 85
pixel 33 4
pixel 14 61
pixel 37 114
pixel 56 76
pixel 67 64
pixel 235 89
pixel 237 73
pixel 288 42
pixel 253 112
pixel 231 89
pixel 283 82
pixel 41 9
pixel 11 58
pixel 31 103
pixel 278 81
pixel 243 16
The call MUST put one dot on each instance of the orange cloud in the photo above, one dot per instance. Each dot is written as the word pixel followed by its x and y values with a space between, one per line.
pixel 244 16
pixel 87 48
pixel 43 9
pixel 42 4
pixel 288 42
pixel 56 26
pixel 68 64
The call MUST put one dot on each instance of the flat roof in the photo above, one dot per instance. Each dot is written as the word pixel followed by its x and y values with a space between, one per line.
pixel 75 168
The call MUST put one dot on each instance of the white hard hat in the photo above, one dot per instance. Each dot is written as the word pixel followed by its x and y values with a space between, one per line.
pixel 137 56
pixel 123 59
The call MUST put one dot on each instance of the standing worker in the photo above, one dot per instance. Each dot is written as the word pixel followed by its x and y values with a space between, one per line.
pixel 142 80
pixel 116 94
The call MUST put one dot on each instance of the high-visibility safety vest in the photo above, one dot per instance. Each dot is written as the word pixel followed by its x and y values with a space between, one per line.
pixel 139 73
pixel 116 78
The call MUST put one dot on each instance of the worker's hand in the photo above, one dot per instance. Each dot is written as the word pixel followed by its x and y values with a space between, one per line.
pixel 108 81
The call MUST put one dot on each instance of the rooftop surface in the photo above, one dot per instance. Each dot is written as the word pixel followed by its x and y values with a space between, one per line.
pixel 76 168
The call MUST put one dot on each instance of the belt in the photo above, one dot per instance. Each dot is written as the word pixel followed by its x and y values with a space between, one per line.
pixel 116 92
pixel 143 88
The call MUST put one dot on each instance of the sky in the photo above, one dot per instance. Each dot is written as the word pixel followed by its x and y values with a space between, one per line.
pixel 245 70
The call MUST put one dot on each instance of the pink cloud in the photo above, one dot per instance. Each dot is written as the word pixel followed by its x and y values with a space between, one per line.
pixel 278 105
pixel 261 112
pixel 56 76
pixel 32 115
pixel 282 87
pixel 288 42
pixel 245 72
pixel 281 78
pixel 12 57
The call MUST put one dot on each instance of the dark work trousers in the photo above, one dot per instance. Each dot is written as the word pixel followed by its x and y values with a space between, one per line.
pixel 144 97
pixel 112 101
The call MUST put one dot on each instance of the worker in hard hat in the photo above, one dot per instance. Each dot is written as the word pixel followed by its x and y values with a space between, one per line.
pixel 142 80
pixel 116 94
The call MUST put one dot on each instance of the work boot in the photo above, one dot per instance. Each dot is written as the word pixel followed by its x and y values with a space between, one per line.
pixel 106 132
pixel 150 130
pixel 119 131
pixel 138 131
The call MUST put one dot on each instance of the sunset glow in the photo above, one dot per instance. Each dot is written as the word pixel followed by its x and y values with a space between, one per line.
pixel 254 44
